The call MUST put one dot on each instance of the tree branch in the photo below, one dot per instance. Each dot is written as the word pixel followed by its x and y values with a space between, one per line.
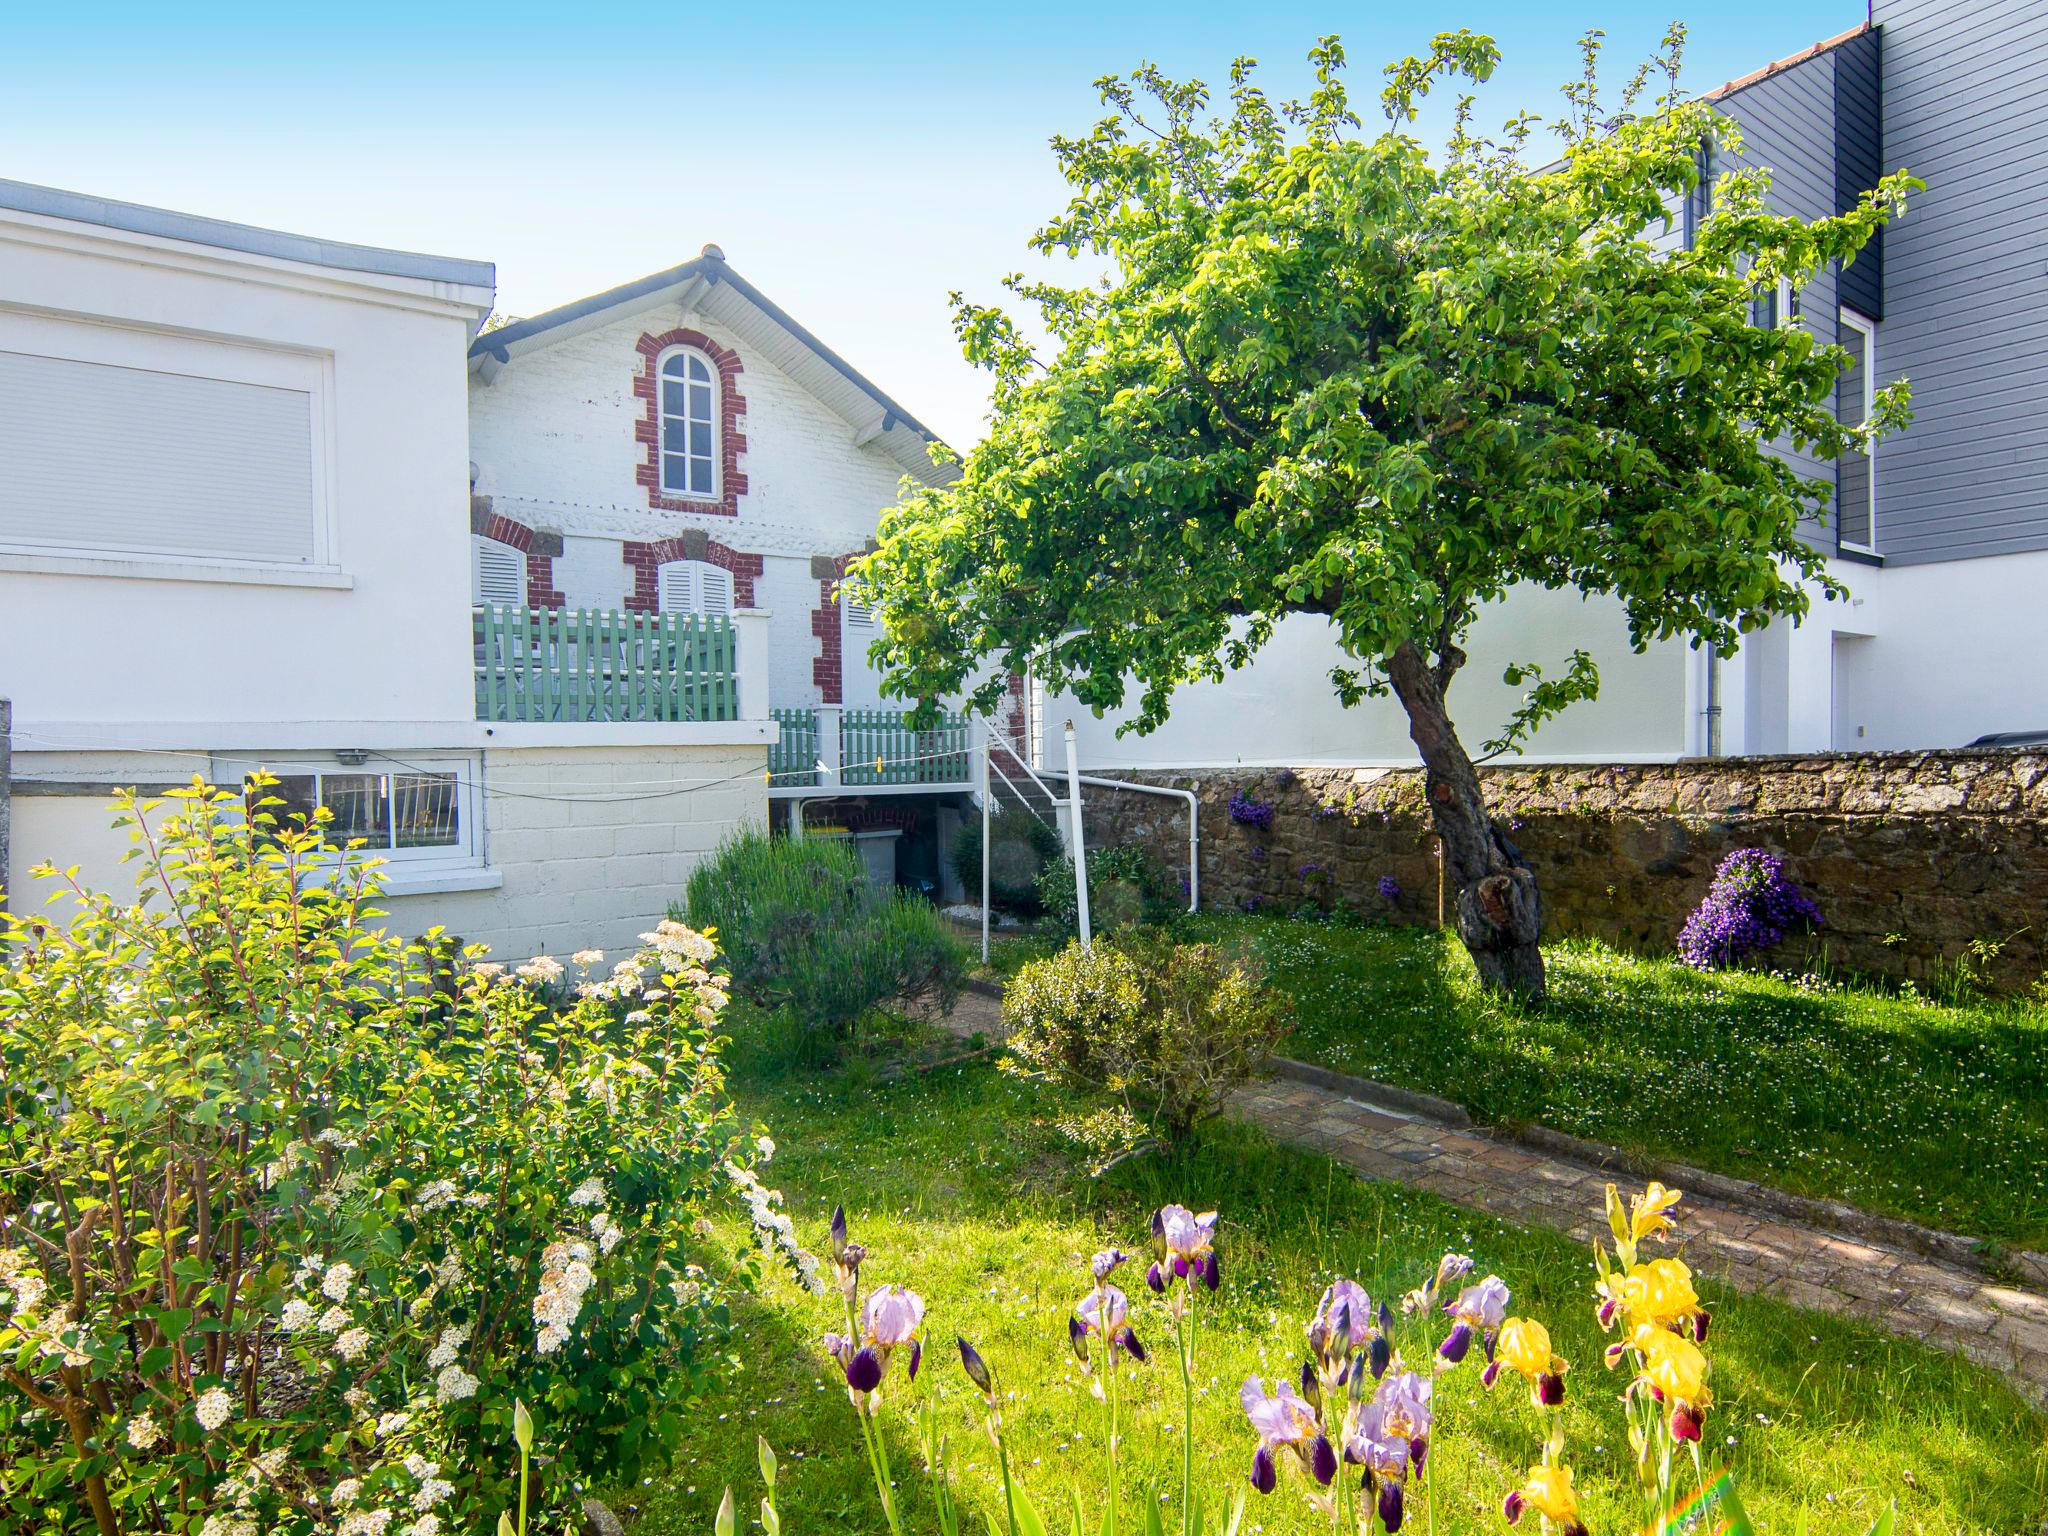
pixel 1230 420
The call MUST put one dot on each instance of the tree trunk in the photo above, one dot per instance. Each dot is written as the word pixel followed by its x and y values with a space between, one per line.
pixel 1499 914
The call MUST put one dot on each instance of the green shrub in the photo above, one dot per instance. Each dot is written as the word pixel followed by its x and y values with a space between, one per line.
pixel 1171 1030
pixel 1126 888
pixel 805 931
pixel 1021 846
pixel 292 1211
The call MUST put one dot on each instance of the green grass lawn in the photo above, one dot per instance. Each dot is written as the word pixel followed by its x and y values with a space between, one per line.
pixel 962 1191
pixel 1897 1104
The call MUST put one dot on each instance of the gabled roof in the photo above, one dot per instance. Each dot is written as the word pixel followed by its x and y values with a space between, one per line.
pixel 710 286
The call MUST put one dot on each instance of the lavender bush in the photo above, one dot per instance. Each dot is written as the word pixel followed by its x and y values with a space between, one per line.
pixel 1750 907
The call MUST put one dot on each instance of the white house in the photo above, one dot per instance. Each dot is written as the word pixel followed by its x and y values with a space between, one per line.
pixel 680 445
pixel 235 533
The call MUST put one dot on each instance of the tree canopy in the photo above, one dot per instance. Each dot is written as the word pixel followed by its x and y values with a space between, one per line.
pixel 1325 373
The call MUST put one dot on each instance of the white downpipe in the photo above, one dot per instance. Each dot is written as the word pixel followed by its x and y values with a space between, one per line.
pixel 1194 825
pixel 1080 849
pixel 987 796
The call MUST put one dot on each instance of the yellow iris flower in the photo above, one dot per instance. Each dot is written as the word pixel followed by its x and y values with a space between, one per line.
pixel 1550 1493
pixel 1646 1211
pixel 1672 1364
pixel 1658 1292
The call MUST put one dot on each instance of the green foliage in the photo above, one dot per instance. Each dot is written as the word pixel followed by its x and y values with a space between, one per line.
pixel 807 933
pixel 1170 1030
pixel 1126 887
pixel 291 1208
pixel 1021 847
pixel 1326 375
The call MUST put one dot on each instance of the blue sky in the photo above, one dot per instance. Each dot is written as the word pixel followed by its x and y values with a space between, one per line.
pixel 857 161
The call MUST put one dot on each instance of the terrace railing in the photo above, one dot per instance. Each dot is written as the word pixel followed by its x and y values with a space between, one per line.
pixel 876 749
pixel 591 665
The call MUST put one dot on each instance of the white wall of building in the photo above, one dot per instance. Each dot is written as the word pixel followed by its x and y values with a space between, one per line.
pixel 363 633
pixel 552 437
pixel 1282 709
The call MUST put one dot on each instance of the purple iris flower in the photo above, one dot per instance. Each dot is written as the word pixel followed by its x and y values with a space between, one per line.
pixel 1183 1245
pixel 1284 1420
pixel 1343 1320
pixel 889 1322
pixel 1482 1307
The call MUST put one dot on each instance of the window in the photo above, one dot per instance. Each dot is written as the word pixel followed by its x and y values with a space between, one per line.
pixel 695 586
pixel 418 810
pixel 1775 306
pixel 122 443
pixel 689 436
pixel 1855 473
pixel 497 574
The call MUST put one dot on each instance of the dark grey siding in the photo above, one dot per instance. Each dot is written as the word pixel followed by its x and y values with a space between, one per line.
pixel 1787 122
pixel 1965 92
pixel 1859 160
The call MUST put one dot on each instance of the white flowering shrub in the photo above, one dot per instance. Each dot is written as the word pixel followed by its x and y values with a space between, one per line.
pixel 291 1210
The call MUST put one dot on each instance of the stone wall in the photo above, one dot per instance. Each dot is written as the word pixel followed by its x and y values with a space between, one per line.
pixel 1911 856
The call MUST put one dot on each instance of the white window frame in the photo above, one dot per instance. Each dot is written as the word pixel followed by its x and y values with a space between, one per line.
pixel 662 418
pixel 693 571
pixel 138 346
pixel 1867 327
pixel 467 852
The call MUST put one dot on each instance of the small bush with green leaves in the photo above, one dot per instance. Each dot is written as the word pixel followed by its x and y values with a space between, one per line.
pixel 292 1211
pixel 1170 1030
pixel 1021 846
pixel 807 933
pixel 1126 888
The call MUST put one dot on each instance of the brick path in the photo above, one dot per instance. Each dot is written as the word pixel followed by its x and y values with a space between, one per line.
pixel 1948 1306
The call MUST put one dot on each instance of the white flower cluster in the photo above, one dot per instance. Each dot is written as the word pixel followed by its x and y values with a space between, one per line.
pixel 25 1287
pixel 676 946
pixel 564 1280
pixel 214 1408
pixel 606 1231
pixel 451 1383
pixel 144 1432
pixel 435 1195
pixel 585 958
pixel 773 1227
pixel 589 1192
pixel 544 969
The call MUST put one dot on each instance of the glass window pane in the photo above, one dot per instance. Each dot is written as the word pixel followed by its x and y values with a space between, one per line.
pixel 698 372
pixel 674 366
pixel 700 476
pixel 700 402
pixel 424 810
pixel 1850 406
pixel 295 790
pixel 672 396
pixel 359 807
pixel 700 438
pixel 675 472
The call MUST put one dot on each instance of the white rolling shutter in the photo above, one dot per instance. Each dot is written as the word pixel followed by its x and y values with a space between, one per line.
pixel 96 456
pixel 695 586
pixel 497 574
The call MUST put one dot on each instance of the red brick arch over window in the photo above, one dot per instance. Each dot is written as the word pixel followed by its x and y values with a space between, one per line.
pixel 647 560
pixel 540 549
pixel 732 480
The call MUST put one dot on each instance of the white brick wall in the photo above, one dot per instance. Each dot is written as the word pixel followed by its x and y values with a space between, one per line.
pixel 552 439
pixel 583 871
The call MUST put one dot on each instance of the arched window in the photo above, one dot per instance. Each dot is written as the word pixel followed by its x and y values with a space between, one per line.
pixel 497 574
pixel 689 412
pixel 695 586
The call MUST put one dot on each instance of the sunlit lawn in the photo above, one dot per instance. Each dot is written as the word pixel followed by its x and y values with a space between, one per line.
pixel 962 1193
pixel 1892 1102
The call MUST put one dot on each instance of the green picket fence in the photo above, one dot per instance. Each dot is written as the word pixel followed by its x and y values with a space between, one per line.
pixel 793 760
pixel 870 736
pixel 589 664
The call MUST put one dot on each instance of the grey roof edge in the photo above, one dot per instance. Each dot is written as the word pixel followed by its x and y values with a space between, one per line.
pixel 196 229
pixel 715 269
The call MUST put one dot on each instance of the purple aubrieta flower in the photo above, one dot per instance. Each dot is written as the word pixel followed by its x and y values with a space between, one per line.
pixel 1183 1244
pixel 1481 1308
pixel 1390 888
pixel 1287 1421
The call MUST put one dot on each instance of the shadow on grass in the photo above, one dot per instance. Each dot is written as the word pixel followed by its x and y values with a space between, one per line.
pixel 963 1193
pixel 1934 1113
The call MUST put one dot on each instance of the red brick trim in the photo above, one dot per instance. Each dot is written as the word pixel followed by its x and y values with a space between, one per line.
pixel 828 667
pixel 539 548
pixel 732 480
pixel 1017 717
pixel 646 561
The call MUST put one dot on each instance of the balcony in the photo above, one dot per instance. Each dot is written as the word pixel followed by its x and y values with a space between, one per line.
pixel 828 750
pixel 544 664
